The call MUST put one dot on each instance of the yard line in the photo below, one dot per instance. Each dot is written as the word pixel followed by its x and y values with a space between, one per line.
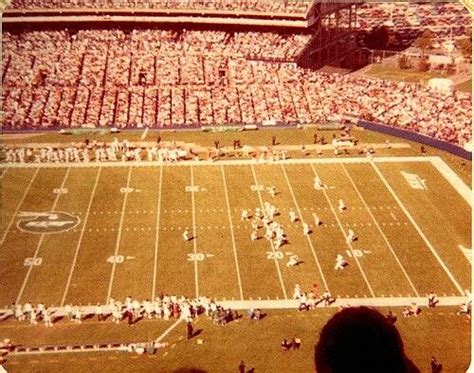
pixel 30 268
pixel 155 260
pixel 119 235
pixel 380 230
pixel 271 242
pixel 79 242
pixel 18 206
pixel 418 229
pixel 167 331
pixel 232 234
pixel 196 277
pixel 345 237
pixel 307 237
pixel 3 173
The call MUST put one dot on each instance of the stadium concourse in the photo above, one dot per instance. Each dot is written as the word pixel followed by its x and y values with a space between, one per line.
pixel 207 199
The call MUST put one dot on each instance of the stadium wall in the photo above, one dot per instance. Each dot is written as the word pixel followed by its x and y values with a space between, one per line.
pixel 412 136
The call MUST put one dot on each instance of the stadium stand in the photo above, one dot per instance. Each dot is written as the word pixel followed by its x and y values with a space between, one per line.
pixel 286 6
pixel 162 78
pixel 444 19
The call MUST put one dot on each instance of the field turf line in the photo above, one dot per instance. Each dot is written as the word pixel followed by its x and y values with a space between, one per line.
pixel 157 237
pixel 307 237
pixel 271 242
pixel 119 235
pixel 239 280
pixel 345 236
pixel 18 206
pixel 193 203
pixel 3 173
pixel 418 229
pixel 79 242
pixel 30 268
pixel 380 230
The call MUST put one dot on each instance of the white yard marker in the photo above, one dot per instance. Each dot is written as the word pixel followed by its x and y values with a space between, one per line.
pixel 380 230
pixel 271 242
pixel 315 256
pixel 79 242
pixel 119 235
pixel 239 280
pixel 18 206
pixel 143 136
pixel 25 281
pixel 157 237
pixel 418 229
pixel 193 203
pixel 344 235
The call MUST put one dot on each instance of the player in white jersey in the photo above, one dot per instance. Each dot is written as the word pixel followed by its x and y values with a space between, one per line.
pixel 317 183
pixel 340 262
pixel 244 215
pixel 293 216
pixel 186 234
pixel 317 220
pixel 306 229
pixel 296 292
pixel 342 205
pixel 18 312
pixel 293 261
pixel 254 224
pixel 48 322
pixel 254 235
pixel 33 316
pixel 351 237
pixel 77 315
pixel 272 191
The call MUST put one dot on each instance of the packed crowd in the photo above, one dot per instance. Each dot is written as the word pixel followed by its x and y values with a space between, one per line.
pixel 267 6
pixel 130 309
pixel 444 18
pixel 159 78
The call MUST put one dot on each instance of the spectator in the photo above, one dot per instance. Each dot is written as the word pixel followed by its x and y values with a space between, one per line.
pixel 361 340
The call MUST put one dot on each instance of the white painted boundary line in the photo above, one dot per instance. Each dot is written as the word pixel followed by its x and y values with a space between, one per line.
pixel 315 256
pixel 353 302
pixel 168 331
pixel 157 237
pixel 218 162
pixel 271 242
pixel 193 203
pixel 455 181
pixel 35 255
pixel 119 235
pixel 79 242
pixel 418 229
pixel 3 173
pixel 387 242
pixel 344 234
pixel 18 206
pixel 232 233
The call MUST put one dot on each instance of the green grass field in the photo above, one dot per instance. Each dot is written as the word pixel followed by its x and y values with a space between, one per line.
pixel 143 226
pixel 129 242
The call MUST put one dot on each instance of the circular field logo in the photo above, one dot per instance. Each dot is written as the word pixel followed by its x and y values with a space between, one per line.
pixel 47 222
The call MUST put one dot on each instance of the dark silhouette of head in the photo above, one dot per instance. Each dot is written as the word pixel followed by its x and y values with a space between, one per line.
pixel 360 340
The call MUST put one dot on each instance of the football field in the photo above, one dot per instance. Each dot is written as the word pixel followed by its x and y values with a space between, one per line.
pixel 83 234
